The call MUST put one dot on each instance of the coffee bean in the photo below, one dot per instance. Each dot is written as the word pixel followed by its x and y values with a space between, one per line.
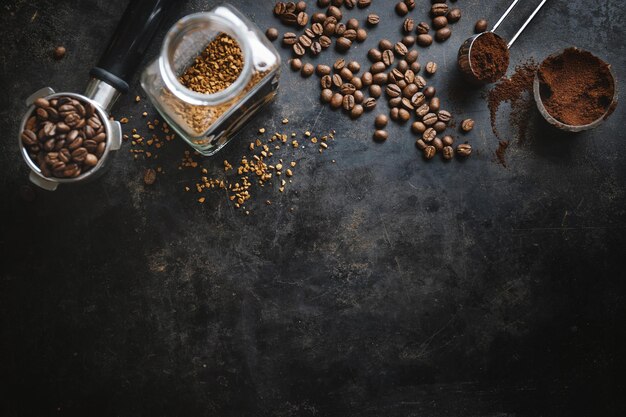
pixel 408 25
pixel 422 28
pixel 440 22
pixel 289 19
pixel 406 103
pixel 375 91
pixel 339 64
pixel 59 53
pixel 301 6
pixel 401 49
pixel 444 116
pixel 402 65
pixel 373 19
pixel 440 127
pixel 429 119
pixel 348 102
pixel 467 125
pixel 429 152
pixel 361 4
pixel 411 56
pixel 352 24
pixel 366 78
pixel 448 153
pixel 280 8
pixel 334 12
pixel 443 34
pixel 404 115
pixel 424 40
pixel 397 76
pixel 318 17
pixel 271 34
pixel 422 110
pixel 350 3
pixel 415 67
pixel 322 70
pixel 29 138
pixel 439 9
pixel 329 28
pixel 323 3
pixel 343 44
pixel 385 44
pixel 361 35
pixel 374 55
pixel 149 176
pixel 431 68
pixel 380 135
pixel 454 15
pixel 307 70
pixel 326 95
pixel 418 128
pixel 302 19
pixel 347 88
pixel 350 34
pixel 418 99
pixel 394 113
pixel 481 26
pixel 305 41
pixel 394 102
pixel 447 140
pixel 430 92
pixel 464 149
pixel 325 41
pixel 401 9
pixel 316 48
pixel 421 145
pixel 393 90
pixel 434 104
pixel 337 80
pixel 380 78
pixel 388 57
pixel 356 111
pixel 336 101
pixel 378 67
pixel 296 64
pixel 408 40
pixel 354 66
pixel 298 49
pixel 100 149
pixel 356 82
pixel 359 97
pixel 317 29
pixel 380 121
pixel 326 81
pixel 346 74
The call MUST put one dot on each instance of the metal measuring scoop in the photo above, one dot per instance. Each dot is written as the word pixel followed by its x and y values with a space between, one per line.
pixel 464 58
pixel 109 80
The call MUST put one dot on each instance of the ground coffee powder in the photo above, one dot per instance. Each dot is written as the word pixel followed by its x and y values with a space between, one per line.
pixel 576 87
pixel 489 57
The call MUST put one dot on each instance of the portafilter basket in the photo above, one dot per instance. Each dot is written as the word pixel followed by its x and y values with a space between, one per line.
pixel 110 79
pixel 464 57
pixel 563 126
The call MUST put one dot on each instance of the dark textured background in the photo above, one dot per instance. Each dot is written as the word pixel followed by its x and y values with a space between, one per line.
pixel 395 287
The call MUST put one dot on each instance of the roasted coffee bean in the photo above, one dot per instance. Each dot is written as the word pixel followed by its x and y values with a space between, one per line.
pixel 397 76
pixel 302 19
pixel 464 149
pixel 307 70
pixel 296 64
pixel 325 41
pixel 430 119
pixel 440 22
pixel 362 4
pixel 59 52
pixel 373 19
pixel 402 65
pixel 350 3
pixel 366 78
pixel 388 57
pixel 358 97
pixel 334 12
pixel 271 34
pixel 467 125
pixel 411 56
pixel 322 70
pixel 393 90
pixel 429 135
pixel 437 143
pixel 431 68
pixel 395 102
pixel 361 35
pixel 336 101
pixel 409 76
pixel 318 17
pixel 408 40
pixel 41 113
pixel 305 41
pixel 408 25
pixel 404 115
pixel 421 145
pixel 401 8
pixel 418 128
pixel 280 8
pixel 444 116
pixel 337 80
pixel 301 6
pixel 430 92
pixel 429 152
pixel 326 95
pixel 415 67
pixel 434 104
pixel 380 135
pixel 354 66
pixel 443 34
pixel 340 29
pixel 422 28
pixel 447 140
pixel 346 74
pixel 298 49
pixel 481 26
pixel 99 137
pixel 41 102
pixel 424 40
pixel 329 28
pixel 454 15
pixel 339 64
pixel 378 67
pixel 343 44
pixel 375 91
pixel 418 99
pixel 447 152
pixel 381 121
pixel 100 150
pixel 79 154
pixel 316 48
pixel 379 78
pixel 356 81
pixel 385 44
pixel 348 102
pixel 330 20
pixel 309 32
pixel 401 49
pixel 317 29
pixel 394 113
pixel 347 88
pixel 356 111
pixel 409 91
pixel 439 9
pixel 29 138
pixel 422 110
pixel 289 19
pixel 326 81
pixel 90 145
pixel 406 103
pixel 374 55
pixel 352 24
pixel 323 3
pixel 440 127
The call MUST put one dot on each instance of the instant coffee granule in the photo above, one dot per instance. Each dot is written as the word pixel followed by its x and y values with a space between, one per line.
pixel 576 87
pixel 489 57
pixel 216 68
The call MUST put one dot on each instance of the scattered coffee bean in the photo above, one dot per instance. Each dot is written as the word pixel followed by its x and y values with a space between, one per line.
pixel 149 176
pixel 447 140
pixel 296 64
pixel 440 22
pixel 375 90
pixel 429 152
pixel 366 78
pixel 439 9
pixel 467 125
pixel 431 68
pixel 381 121
pixel 424 40
pixel 448 153
pixel 326 95
pixel 437 143
pixel 429 92
pixel 464 149
pixel 322 70
pixel 357 111
pixel 434 104
pixel 272 34
pixel 336 101
pixel 408 25
pixel 354 66
pixel 443 34
pixel 343 44
pixel 380 135
pixel 59 53
pixel 359 97
pixel 418 128
pixel 454 15
pixel 373 19
pixel 374 55
pixel 401 8
pixel 408 40
pixel 307 70
pixel 388 57
pixel 348 102
pixel 421 145
pixel 481 26
pixel 400 49
pixel 422 28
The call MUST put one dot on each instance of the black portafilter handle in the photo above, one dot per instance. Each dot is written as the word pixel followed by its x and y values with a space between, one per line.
pixel 131 39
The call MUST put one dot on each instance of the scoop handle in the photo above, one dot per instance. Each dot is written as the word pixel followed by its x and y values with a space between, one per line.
pixel 131 39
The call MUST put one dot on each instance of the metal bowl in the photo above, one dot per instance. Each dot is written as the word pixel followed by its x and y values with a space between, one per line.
pixel 465 62
pixel 563 126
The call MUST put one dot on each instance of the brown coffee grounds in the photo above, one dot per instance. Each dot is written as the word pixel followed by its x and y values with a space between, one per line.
pixel 489 57
pixel 516 90
pixel 501 152
pixel 576 87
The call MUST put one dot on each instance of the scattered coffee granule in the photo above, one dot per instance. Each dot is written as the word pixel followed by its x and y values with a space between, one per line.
pixel 516 90
pixel 501 152
pixel 577 87
pixel 216 68
pixel 59 53
pixel 489 57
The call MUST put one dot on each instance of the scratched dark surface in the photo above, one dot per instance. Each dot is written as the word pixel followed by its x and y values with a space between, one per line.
pixel 394 287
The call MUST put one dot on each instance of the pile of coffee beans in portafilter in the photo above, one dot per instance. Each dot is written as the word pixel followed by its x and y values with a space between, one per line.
pixel 394 69
pixel 65 137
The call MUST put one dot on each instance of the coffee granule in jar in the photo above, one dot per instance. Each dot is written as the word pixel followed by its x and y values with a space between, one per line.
pixel 216 68
pixel 577 88
pixel 489 57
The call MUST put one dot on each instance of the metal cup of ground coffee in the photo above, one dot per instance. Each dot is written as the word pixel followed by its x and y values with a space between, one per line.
pixel 215 70
pixel 575 90
pixel 484 58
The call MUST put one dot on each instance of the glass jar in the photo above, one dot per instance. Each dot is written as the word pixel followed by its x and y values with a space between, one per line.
pixel 208 121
